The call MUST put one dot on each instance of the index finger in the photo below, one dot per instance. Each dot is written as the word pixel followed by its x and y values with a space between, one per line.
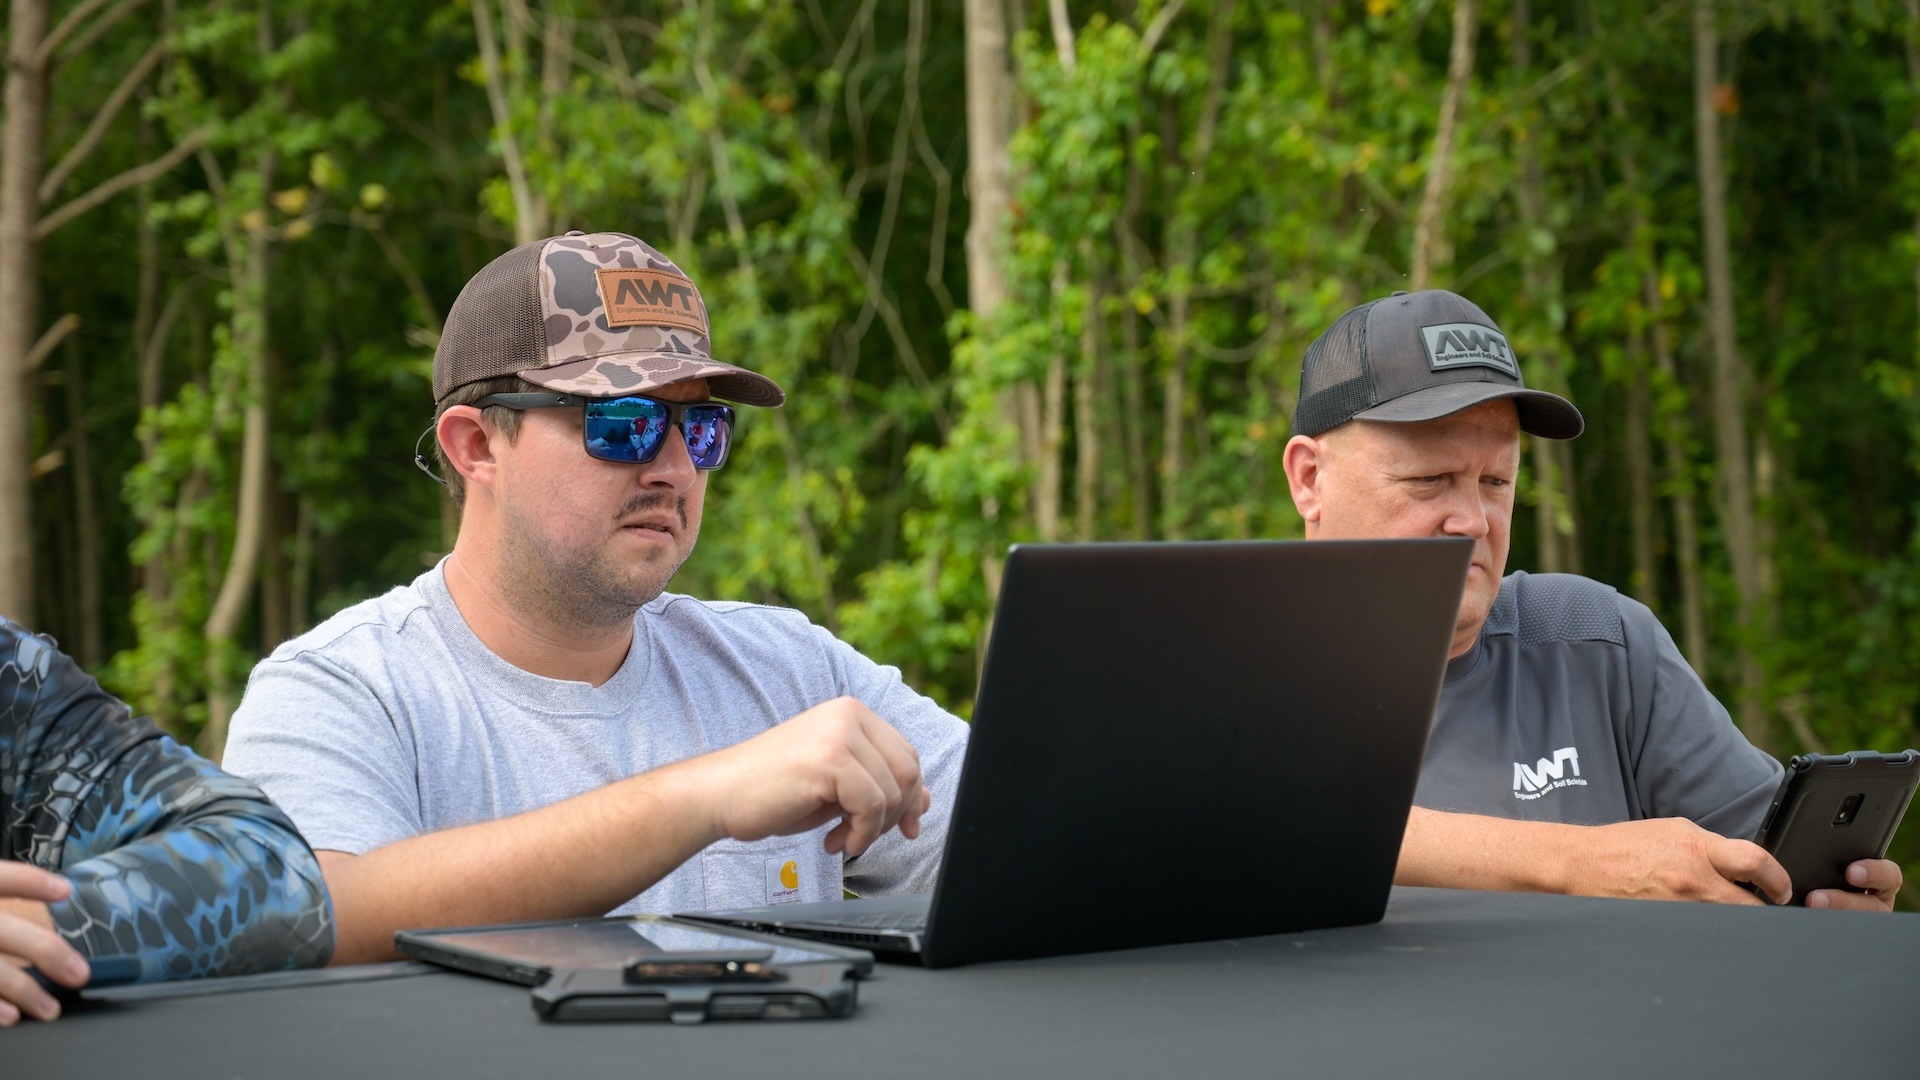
pixel 28 882
pixel 903 761
pixel 1742 860
pixel 44 949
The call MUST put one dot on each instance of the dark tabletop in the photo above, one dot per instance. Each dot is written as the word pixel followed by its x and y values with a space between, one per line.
pixel 1450 984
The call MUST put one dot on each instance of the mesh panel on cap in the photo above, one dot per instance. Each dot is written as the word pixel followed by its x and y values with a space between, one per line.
pixel 494 327
pixel 1334 380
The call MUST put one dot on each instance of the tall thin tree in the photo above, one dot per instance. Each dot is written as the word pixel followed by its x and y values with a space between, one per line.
pixel 1729 370
pixel 1430 245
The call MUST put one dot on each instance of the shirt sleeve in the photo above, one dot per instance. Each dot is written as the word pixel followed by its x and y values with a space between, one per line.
pixel 187 868
pixel 895 864
pixel 321 743
pixel 1692 761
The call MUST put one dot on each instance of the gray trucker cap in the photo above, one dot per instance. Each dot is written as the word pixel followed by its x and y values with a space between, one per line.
pixel 1419 356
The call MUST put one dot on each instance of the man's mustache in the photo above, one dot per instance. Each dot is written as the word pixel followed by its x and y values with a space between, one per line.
pixel 650 500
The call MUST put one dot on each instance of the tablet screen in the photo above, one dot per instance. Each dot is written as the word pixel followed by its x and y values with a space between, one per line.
pixel 606 943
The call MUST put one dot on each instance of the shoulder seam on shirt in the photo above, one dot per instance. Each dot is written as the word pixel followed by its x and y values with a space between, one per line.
pixel 1566 609
pixel 393 627
pixel 734 606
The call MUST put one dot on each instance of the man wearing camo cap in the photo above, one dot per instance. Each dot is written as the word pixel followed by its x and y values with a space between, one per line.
pixel 535 728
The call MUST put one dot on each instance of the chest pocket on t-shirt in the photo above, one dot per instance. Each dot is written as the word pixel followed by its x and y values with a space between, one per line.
pixel 777 870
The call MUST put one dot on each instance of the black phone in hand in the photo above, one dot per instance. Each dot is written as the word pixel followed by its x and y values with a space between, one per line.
pixel 1832 810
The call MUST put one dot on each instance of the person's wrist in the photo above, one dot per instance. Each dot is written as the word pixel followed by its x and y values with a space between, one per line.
pixel 695 790
pixel 1564 859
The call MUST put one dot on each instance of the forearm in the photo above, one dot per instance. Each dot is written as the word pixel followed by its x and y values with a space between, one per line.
pixel 1468 851
pixel 229 890
pixel 581 857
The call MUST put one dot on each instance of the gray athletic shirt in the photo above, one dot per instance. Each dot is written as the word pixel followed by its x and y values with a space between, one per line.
pixel 1576 706
pixel 391 720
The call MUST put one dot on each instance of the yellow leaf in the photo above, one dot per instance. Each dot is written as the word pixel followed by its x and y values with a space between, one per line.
pixel 1669 288
pixel 253 220
pixel 373 196
pixel 1143 302
pixel 291 201
pixel 297 229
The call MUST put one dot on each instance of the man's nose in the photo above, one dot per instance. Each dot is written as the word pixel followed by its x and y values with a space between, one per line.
pixel 672 467
pixel 1467 514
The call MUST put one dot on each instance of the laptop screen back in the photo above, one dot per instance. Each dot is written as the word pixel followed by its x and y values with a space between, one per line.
pixel 1191 741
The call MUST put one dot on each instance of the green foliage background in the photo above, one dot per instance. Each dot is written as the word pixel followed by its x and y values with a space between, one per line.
pixel 1187 218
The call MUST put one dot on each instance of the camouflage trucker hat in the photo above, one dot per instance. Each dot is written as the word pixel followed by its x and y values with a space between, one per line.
pixel 595 314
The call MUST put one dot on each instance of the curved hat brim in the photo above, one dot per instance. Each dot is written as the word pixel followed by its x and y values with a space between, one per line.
pixel 637 373
pixel 1544 415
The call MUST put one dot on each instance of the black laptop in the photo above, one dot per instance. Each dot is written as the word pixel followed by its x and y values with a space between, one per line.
pixel 1177 742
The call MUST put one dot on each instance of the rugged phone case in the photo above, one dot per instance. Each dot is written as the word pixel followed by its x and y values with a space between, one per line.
pixel 1836 809
pixel 806 992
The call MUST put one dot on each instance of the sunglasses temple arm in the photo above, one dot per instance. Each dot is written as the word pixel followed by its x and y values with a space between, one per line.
pixel 420 459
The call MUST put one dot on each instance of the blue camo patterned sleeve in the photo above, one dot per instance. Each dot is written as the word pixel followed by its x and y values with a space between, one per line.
pixel 189 868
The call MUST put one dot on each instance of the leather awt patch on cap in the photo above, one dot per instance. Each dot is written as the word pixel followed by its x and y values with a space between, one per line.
pixel 637 297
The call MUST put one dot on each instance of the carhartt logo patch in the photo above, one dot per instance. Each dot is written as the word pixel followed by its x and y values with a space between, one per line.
pixel 1548 774
pixel 783 880
pixel 650 298
pixel 1452 345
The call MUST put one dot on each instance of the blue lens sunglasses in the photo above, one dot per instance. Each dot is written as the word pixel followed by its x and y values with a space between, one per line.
pixel 631 429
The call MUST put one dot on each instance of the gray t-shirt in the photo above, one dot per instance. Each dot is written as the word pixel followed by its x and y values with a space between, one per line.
pixel 391 720
pixel 1576 706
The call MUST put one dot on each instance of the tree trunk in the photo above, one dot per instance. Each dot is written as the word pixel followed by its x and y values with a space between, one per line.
pixel 1539 273
pixel 1053 416
pixel 1641 384
pixel 300 570
pixel 1431 249
pixel 529 222
pixel 249 343
pixel 1645 581
pixel 989 129
pixel 1679 470
pixel 85 622
pixel 22 149
pixel 1062 33
pixel 1913 84
pixel 1086 415
pixel 1729 374
pixel 1182 261
pixel 1133 392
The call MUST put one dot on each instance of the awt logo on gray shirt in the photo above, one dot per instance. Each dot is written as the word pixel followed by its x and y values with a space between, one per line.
pixel 1547 774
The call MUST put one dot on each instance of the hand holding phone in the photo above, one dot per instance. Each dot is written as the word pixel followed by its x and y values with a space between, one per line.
pixel 1833 812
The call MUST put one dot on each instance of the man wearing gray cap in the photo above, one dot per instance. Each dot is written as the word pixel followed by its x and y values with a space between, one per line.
pixel 1573 749
pixel 535 728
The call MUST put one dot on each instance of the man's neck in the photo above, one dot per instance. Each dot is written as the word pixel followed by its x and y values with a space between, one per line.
pixel 522 637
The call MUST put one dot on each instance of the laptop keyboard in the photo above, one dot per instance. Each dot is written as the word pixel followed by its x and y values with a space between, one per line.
pixel 898 920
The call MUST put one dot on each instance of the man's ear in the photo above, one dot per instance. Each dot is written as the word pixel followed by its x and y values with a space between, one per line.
pixel 467 440
pixel 1304 460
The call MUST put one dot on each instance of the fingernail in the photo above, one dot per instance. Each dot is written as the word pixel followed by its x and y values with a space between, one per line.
pixel 76 969
pixel 45 1008
pixel 1817 899
pixel 1857 874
